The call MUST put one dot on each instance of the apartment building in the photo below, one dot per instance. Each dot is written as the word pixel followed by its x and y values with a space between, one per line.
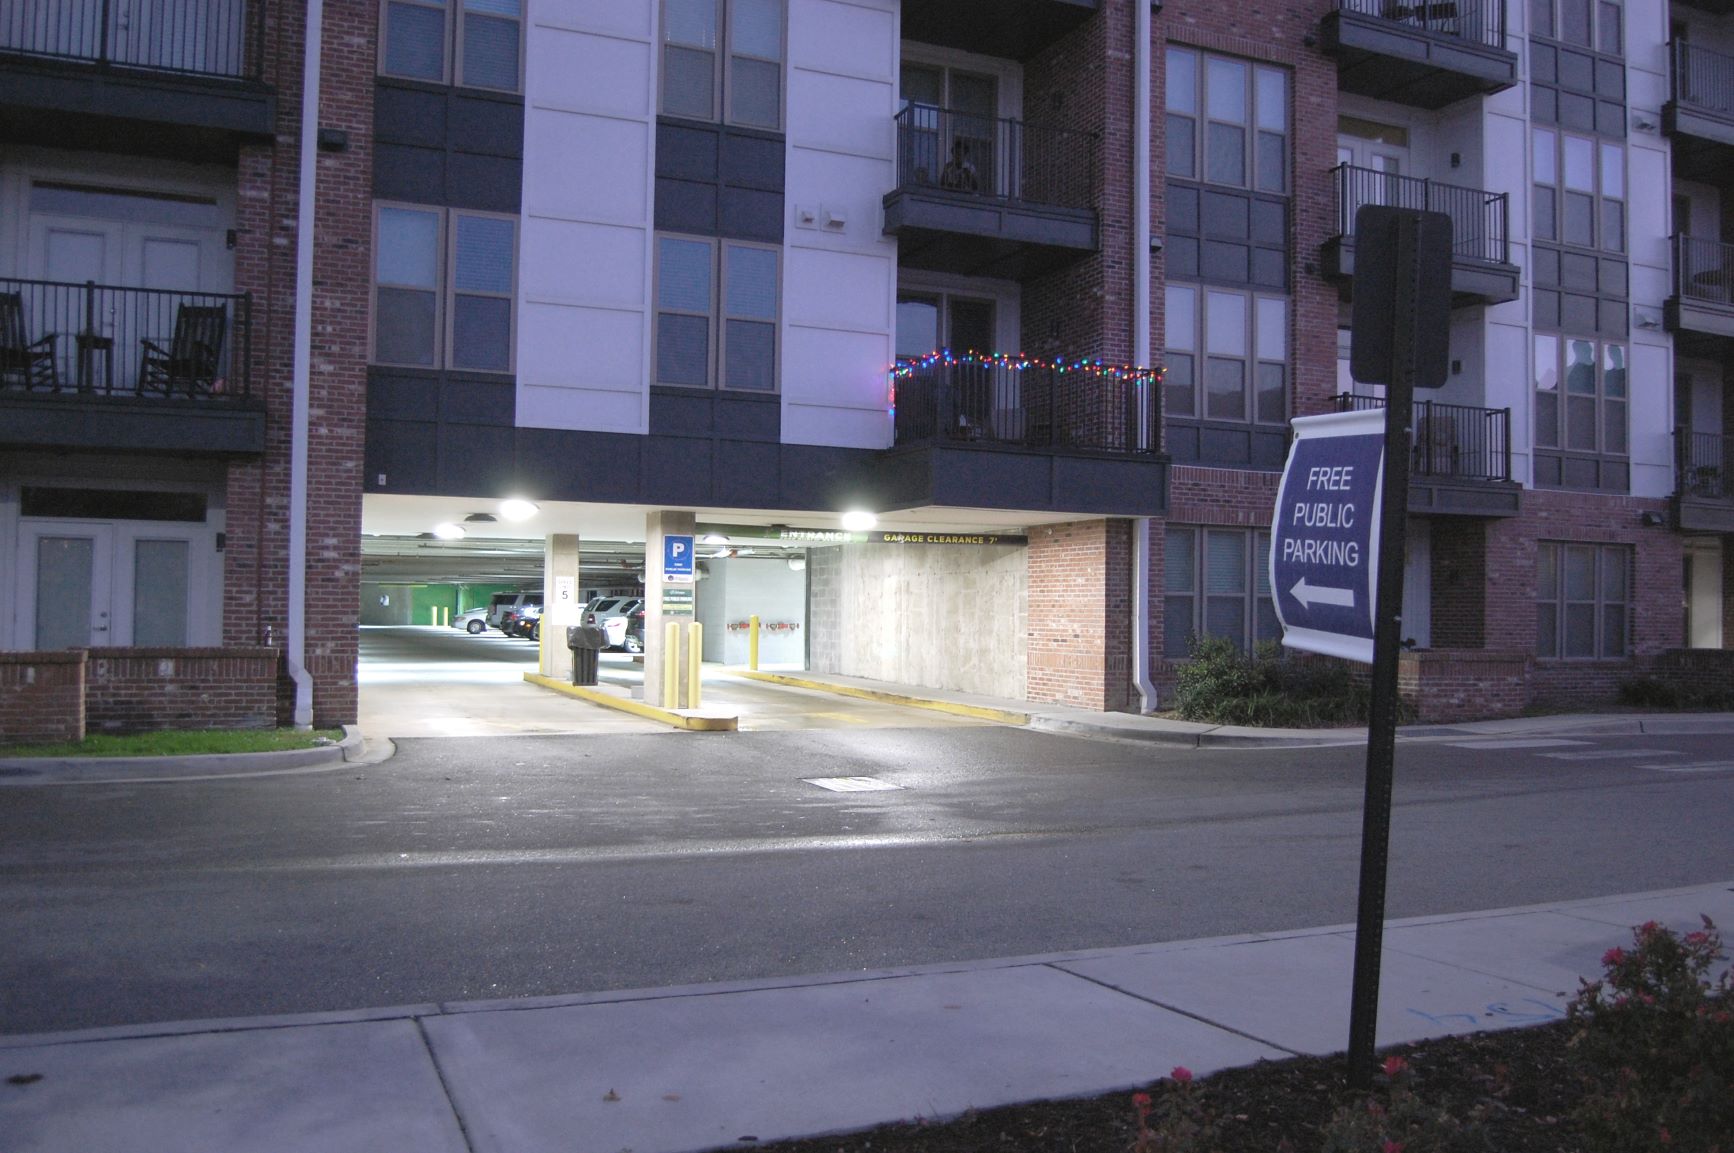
pixel 663 267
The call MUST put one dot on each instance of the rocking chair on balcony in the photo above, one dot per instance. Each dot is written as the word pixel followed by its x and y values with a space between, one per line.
pixel 189 364
pixel 30 363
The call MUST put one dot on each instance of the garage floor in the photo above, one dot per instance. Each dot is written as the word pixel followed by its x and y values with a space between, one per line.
pixel 423 681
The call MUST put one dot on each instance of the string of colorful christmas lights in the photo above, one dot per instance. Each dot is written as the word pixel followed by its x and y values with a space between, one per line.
pixel 1023 363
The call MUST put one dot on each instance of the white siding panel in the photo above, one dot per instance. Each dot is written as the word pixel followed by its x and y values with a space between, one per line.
pixel 1652 421
pixel 856 185
pixel 841 114
pixel 836 369
pixel 584 348
pixel 565 261
pixel 842 290
pixel 839 427
pixel 587 73
pixel 845 39
pixel 602 410
pixel 628 18
pixel 585 167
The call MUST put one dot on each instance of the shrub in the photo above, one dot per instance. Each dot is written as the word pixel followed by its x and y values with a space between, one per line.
pixel 1397 1121
pixel 1177 1122
pixel 1649 692
pixel 1224 686
pixel 1655 1042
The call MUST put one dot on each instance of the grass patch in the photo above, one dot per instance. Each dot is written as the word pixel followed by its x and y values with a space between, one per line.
pixel 180 743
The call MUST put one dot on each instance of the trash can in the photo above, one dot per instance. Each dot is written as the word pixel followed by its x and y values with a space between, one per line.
pixel 585 641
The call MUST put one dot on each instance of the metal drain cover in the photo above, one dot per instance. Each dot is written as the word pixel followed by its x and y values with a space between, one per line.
pixel 851 784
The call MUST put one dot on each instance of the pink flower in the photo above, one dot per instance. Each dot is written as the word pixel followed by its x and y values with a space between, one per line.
pixel 1180 1073
pixel 1613 957
pixel 1141 1100
pixel 1395 1066
pixel 1391 1147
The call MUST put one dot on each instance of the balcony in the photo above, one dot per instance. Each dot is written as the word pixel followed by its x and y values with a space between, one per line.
pixel 983 197
pixel 1013 29
pixel 1481 268
pixel 1703 481
pixel 1700 310
pixel 1008 435
pixel 1423 54
pixel 1460 458
pixel 1699 114
pixel 167 76
pixel 95 366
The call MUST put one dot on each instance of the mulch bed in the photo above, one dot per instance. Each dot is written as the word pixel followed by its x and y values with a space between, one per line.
pixel 1519 1079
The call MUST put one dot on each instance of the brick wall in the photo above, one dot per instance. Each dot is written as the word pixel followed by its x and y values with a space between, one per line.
pixel 1079 631
pixel 256 560
pixel 144 689
pixel 41 697
pixel 1459 583
pixel 1445 687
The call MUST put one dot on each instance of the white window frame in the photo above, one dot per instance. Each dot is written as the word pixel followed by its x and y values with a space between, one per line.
pixel 722 72
pixel 1198 350
pixel 1557 603
pixel 445 289
pixel 1250 126
pixel 453 16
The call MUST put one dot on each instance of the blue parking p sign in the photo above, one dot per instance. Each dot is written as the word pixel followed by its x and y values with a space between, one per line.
pixel 1324 543
pixel 677 558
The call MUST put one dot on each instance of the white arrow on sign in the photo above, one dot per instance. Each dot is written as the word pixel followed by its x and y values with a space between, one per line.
pixel 1310 595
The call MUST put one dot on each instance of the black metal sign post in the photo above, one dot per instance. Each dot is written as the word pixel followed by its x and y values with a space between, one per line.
pixel 1406 306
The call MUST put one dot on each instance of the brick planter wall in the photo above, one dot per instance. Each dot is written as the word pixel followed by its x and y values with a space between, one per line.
pixel 140 690
pixel 1696 670
pixel 1079 634
pixel 1445 686
pixel 41 697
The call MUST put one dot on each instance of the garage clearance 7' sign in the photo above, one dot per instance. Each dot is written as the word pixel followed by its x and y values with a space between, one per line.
pixel 1324 547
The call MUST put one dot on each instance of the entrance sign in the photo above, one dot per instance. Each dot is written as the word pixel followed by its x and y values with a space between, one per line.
pixel 677 559
pixel 1324 539
pixel 676 600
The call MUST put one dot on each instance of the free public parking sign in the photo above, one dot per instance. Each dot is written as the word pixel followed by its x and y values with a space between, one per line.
pixel 1324 543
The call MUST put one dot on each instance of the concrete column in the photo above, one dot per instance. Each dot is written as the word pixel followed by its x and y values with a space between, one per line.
pixel 560 602
pixel 658 525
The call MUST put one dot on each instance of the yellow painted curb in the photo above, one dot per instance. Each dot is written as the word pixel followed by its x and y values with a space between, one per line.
pixel 637 708
pixel 980 712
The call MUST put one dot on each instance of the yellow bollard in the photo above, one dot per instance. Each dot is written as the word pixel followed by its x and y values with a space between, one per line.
pixel 695 660
pixel 753 642
pixel 671 666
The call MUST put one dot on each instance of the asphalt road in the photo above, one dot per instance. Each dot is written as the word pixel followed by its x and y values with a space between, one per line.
pixel 478 868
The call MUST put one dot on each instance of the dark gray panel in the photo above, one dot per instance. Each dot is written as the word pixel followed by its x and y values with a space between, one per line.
pixel 748 474
pixel 1577 112
pixel 1224 445
pixel 1269 223
pixel 684 152
pixel 1005 480
pixel 405 453
pixel 1228 262
pixel 73 421
pixel 1182 256
pixel 748 214
pixel 1110 487
pixel 1227 216
pixel 1612 319
pixel 677 470
pixel 681 412
pixel 1183 209
pixel 1577 271
pixel 412 173
pixel 1611 81
pixel 1577 313
pixel 1577 70
pixel 484 124
pixel 743 417
pixel 476 459
pixel 593 466
pixel 485 183
pixel 409 116
pixel 1182 442
pixel 1614 278
pixel 1269 269
pixel 479 400
pixel 1547 309
pixel 1546 262
pixel 394 396
pixel 753 161
pixel 683 206
pixel 817 477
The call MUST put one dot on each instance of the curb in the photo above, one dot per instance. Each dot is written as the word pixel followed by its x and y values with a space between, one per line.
pixel 696 721
pixel 140 770
pixel 956 708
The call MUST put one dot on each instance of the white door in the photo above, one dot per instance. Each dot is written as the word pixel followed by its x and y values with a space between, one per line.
pixel 1704 593
pixel 1418 584
pixel 66 593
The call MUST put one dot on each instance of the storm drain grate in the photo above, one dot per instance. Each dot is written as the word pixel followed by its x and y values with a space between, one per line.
pixel 851 784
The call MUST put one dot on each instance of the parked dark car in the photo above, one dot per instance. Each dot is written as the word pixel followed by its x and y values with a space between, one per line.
pixel 525 622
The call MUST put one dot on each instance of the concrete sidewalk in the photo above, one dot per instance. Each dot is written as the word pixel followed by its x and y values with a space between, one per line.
pixel 667 1070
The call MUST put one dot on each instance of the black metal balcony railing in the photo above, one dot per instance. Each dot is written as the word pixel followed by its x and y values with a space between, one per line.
pixel 1701 462
pixel 222 38
pixel 1036 408
pixel 1479 219
pixel 1003 159
pixel 113 341
pixel 1477 21
pixel 1701 79
pixel 1452 440
pixel 1704 270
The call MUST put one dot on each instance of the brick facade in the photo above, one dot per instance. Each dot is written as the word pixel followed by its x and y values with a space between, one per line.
pixel 142 689
pixel 1444 687
pixel 1079 636
pixel 41 697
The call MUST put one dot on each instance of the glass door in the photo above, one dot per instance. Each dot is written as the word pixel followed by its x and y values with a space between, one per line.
pixel 66 601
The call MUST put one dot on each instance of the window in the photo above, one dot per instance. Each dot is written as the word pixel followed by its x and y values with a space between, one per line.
pixel 1216 582
pixel 1580 394
pixel 1243 342
pixel 443 287
pixel 473 43
pixel 1582 600
pixel 930 321
pixel 716 313
pixel 1227 121
pixel 1580 190
pixel 723 59
pixel 1587 23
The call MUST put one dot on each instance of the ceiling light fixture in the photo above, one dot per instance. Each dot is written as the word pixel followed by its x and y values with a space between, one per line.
pixel 859 520
pixel 479 518
pixel 517 508
pixel 449 531
pixel 713 538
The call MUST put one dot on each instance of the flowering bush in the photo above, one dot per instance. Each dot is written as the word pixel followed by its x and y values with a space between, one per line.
pixel 1397 1121
pixel 1178 1123
pixel 1655 1039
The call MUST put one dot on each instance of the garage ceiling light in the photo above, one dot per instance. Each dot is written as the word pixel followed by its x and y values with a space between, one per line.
pixel 859 520
pixel 516 508
pixel 449 531
pixel 713 538
pixel 479 518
